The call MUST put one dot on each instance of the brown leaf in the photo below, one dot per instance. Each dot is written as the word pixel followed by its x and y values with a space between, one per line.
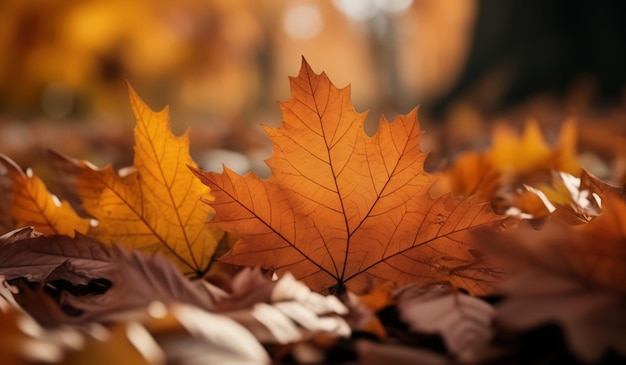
pixel 591 319
pixel 593 253
pixel 573 276
pixel 464 322
pixel 604 190
pixel 342 208
pixel 91 281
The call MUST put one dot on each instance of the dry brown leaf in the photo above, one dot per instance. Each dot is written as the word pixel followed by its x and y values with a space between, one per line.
pixel 592 253
pixel 153 206
pixel 342 208
pixel 604 190
pixel 570 275
pixel 464 322
pixel 91 281
pixel 31 204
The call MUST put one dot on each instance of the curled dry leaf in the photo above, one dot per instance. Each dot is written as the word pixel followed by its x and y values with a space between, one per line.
pixel 92 281
pixel 153 206
pixel 362 315
pixel 178 334
pixel 463 322
pixel 29 203
pixel 602 189
pixel 283 311
pixel 66 269
pixel 564 196
pixel 37 258
pixel 210 339
pixel 249 286
pixel 343 209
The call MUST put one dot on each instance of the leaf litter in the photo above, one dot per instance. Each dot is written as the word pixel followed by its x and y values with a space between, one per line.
pixel 422 269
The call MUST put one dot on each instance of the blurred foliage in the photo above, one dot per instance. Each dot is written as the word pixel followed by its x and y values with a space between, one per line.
pixel 55 51
pixel 69 58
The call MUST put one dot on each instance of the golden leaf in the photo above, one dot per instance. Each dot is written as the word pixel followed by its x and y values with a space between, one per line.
pixel 31 204
pixel 154 206
pixel 512 160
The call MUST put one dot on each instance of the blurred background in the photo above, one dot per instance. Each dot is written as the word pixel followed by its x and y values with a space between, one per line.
pixel 221 65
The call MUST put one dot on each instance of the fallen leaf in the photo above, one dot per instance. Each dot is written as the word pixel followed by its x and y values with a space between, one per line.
pixel 153 206
pixel 512 160
pixel 363 309
pixel 293 313
pixel 189 335
pixel 91 281
pixel 604 190
pixel 570 275
pixel 342 208
pixel 464 322
pixel 31 204
pixel 593 253
pixel 592 320
pixel 36 258
pixel 525 154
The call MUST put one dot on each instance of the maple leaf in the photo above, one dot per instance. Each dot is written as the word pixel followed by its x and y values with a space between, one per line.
pixel 154 206
pixel 342 208
pixel 31 204
pixel 529 152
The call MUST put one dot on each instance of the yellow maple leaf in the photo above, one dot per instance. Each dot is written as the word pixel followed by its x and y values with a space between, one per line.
pixel 31 204
pixel 521 155
pixel 155 205
pixel 512 161
pixel 345 209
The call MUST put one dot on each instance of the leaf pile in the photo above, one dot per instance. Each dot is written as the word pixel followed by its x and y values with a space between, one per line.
pixel 348 253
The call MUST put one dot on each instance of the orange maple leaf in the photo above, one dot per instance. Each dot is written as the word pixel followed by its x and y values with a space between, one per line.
pixel 342 208
pixel 155 205
pixel 31 204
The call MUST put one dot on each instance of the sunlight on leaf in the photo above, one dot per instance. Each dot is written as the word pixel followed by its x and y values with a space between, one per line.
pixel 342 208
pixel 155 206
